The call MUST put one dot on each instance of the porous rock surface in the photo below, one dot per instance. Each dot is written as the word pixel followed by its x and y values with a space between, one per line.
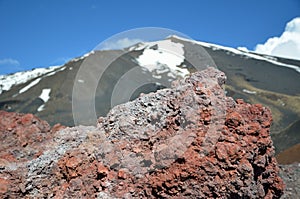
pixel 189 141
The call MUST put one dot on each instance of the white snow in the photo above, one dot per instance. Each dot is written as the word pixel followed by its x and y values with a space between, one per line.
pixel 270 57
pixel 54 72
pixel 88 54
pixel 249 92
pixel 41 108
pixel 138 46
pixel 33 83
pixel 8 81
pixel 82 57
pixel 239 52
pixel 166 56
pixel 243 49
pixel 80 81
pixel 45 96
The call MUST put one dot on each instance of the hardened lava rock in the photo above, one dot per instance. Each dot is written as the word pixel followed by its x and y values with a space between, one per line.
pixel 188 141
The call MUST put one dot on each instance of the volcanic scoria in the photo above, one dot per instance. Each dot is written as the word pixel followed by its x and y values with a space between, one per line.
pixel 187 141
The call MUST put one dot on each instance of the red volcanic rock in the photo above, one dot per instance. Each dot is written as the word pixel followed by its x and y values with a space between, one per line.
pixel 20 133
pixel 189 141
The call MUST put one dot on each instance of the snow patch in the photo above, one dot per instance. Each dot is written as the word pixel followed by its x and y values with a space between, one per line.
pixel 33 83
pixel 82 57
pixel 239 52
pixel 161 57
pixel 54 72
pixel 8 81
pixel 243 49
pixel 41 108
pixel 45 96
pixel 138 46
pixel 249 92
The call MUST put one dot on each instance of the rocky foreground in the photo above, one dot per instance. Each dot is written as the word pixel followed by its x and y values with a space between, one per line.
pixel 190 141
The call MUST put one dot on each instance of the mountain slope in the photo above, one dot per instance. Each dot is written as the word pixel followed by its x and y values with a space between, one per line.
pixel 271 81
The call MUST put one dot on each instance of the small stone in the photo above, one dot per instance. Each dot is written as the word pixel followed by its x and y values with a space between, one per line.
pixel 122 174
pixel 3 185
pixel 101 169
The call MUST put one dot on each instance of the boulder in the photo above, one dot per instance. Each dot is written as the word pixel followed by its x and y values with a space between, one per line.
pixel 187 141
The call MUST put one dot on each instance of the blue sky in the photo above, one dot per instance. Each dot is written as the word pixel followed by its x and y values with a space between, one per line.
pixel 37 33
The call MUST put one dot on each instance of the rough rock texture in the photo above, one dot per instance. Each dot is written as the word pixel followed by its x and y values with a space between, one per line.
pixel 23 137
pixel 190 141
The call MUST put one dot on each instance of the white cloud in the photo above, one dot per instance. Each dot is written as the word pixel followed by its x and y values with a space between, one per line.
pixel 9 62
pixel 119 44
pixel 287 45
